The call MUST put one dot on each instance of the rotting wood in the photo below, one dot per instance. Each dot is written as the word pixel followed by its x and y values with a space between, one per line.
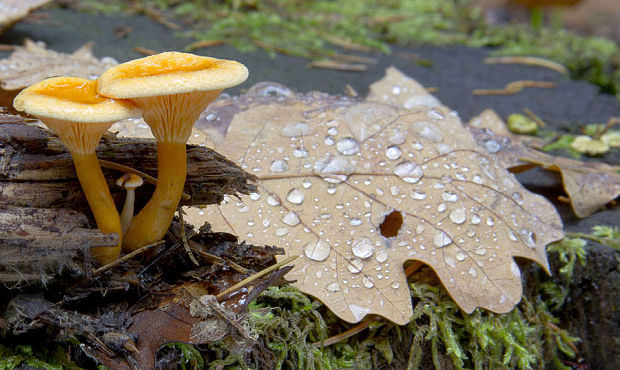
pixel 37 171
pixel 44 217
pixel 35 242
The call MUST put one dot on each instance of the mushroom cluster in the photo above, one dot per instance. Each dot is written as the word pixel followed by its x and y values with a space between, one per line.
pixel 169 90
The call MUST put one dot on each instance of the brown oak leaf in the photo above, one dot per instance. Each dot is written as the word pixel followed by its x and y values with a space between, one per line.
pixel 589 185
pixel 358 188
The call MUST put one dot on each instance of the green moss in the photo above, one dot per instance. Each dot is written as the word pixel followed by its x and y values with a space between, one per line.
pixel 38 358
pixel 190 357
pixel 525 338
pixel 290 322
pixel 313 29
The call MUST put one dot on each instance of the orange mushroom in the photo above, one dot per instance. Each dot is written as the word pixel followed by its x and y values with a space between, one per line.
pixel 72 109
pixel 171 89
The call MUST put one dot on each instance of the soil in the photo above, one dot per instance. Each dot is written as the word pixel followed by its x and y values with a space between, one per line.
pixel 592 312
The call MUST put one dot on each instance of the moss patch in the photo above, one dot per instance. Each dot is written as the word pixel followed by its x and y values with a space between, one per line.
pixel 320 29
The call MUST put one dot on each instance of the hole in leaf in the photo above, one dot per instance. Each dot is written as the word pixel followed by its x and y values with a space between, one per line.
pixel 391 224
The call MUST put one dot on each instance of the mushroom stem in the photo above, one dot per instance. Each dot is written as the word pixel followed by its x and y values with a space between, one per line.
pixel 152 222
pixel 127 212
pixel 100 201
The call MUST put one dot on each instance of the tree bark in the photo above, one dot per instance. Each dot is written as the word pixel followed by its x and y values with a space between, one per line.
pixel 37 171
pixel 44 216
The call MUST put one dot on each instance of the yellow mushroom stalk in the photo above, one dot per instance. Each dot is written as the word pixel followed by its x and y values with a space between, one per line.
pixel 71 108
pixel 171 89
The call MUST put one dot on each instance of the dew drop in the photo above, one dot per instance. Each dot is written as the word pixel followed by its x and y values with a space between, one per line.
pixel 528 237
pixel 460 256
pixel 448 196
pixel 317 251
pixel 297 129
pixel 475 219
pixel 272 200
pixel 306 184
pixel 332 131
pixel 457 215
pixel 397 137
pixel 254 196
pixel 409 172
pixel 368 283
pixel 395 285
pixel 418 195
pixel 355 265
pixel 396 90
pixel 394 190
pixel 512 236
pixel 393 152
pixel 419 229
pixel 477 179
pixel 296 196
pixel 300 153
pixel 473 272
pixel 435 115
pixel 355 221
pixel 329 140
pixel 492 146
pixel 450 261
pixel 363 248
pixel 281 232
pixel 428 131
pixel 291 219
pixel 490 221
pixel 333 287
pixel 381 255
pixel 480 251
pixel 279 165
pixel 334 168
pixel 347 146
pixel 518 197
pixel 441 207
pixel 441 239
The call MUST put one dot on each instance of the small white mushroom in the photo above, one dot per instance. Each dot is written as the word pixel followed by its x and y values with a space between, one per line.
pixel 129 182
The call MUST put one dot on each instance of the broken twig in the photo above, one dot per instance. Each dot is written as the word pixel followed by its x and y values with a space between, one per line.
pixel 254 277
pixel 531 61
pixel 514 87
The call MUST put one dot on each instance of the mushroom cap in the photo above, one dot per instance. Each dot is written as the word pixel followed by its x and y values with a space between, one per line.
pixel 129 181
pixel 72 99
pixel 170 73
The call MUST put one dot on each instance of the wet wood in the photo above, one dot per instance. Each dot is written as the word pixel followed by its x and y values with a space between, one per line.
pixel 36 242
pixel 44 217
pixel 36 170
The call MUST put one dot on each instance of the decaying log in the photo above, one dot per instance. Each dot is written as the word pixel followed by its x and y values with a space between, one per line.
pixel 37 171
pixel 35 242
pixel 44 217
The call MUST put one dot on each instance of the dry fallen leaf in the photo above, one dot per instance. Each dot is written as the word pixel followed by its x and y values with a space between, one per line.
pixel 398 89
pixel 33 62
pixel 589 185
pixel 12 11
pixel 358 188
